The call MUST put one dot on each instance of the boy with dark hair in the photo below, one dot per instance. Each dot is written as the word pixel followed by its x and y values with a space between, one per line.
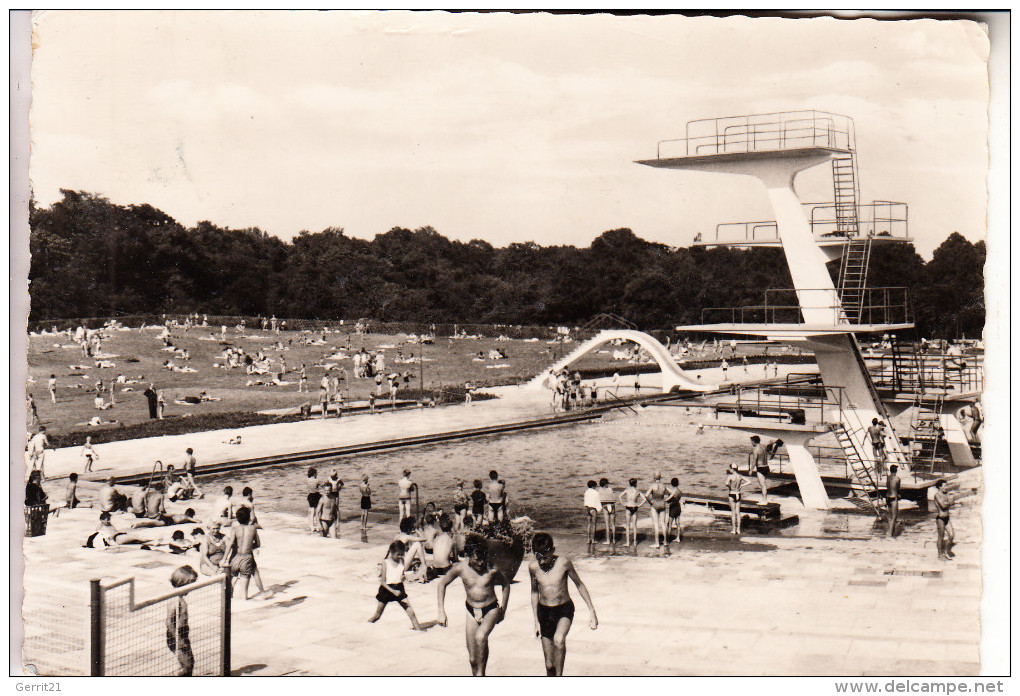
pixel 550 600
pixel 484 611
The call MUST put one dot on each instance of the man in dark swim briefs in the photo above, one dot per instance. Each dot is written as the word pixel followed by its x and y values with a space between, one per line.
pixel 892 498
pixel 496 496
pixel 550 599
pixel 483 610
pixel 943 527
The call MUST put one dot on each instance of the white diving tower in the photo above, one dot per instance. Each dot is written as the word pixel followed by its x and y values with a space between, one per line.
pixel 774 148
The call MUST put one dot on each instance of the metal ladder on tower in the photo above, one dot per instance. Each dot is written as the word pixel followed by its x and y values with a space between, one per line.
pixel 853 266
pixel 863 484
pixel 925 431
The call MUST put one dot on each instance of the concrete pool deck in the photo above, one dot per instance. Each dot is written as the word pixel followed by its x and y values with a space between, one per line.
pixel 516 404
pixel 760 605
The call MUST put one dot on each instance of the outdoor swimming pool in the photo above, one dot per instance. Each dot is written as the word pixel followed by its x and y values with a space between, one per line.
pixel 545 470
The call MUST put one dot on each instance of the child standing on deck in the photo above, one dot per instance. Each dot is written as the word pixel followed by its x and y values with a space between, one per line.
pixel 178 628
pixel 391 584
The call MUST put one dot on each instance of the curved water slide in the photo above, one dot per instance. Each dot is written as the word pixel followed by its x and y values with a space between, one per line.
pixel 673 377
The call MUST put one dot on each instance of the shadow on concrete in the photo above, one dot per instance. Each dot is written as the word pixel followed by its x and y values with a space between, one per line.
pixel 247 669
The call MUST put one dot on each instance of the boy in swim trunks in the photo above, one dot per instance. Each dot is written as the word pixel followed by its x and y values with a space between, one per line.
pixel 734 483
pixel 240 544
pixel 674 499
pixel 326 513
pixel 592 506
pixel 71 497
pixel 607 497
pixel 550 600
pixel 632 499
pixel 366 501
pixel 313 496
pixel 391 584
pixel 495 495
pixel 483 609
pixel 478 501
pixel 444 555
pixel 404 488
pixel 759 466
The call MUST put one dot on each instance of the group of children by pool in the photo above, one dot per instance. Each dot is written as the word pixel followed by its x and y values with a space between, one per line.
pixel 665 502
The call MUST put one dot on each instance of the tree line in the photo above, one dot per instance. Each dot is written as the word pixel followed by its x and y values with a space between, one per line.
pixel 91 258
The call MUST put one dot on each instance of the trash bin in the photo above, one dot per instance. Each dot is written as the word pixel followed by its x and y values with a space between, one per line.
pixel 35 519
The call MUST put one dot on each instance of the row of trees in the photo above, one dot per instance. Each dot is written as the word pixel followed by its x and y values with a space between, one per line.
pixel 92 258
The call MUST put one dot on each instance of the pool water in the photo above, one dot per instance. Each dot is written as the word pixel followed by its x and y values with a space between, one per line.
pixel 546 470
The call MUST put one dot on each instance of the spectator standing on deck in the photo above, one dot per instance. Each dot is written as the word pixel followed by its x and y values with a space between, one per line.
pixel 892 498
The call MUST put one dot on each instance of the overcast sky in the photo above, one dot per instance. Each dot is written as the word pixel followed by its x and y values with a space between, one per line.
pixel 498 127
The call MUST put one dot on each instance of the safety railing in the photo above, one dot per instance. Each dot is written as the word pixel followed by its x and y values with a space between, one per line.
pixel 927 372
pixel 878 220
pixel 886 305
pixel 784 130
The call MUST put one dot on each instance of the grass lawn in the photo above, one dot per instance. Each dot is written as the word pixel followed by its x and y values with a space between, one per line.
pixel 448 363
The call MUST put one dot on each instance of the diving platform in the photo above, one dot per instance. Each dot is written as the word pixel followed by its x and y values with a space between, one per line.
pixel 817 312
pixel 793 331
pixel 880 222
